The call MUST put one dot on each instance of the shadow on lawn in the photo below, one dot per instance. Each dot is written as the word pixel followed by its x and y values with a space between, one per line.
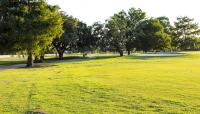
pixel 49 62
pixel 9 63
pixel 40 65
pixel 106 57
pixel 78 59
pixel 64 58
pixel 154 57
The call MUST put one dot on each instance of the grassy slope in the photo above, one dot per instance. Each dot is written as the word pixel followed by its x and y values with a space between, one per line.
pixel 106 85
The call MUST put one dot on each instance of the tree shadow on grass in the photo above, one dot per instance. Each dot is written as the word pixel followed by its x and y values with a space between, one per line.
pixel 64 58
pixel 155 57
pixel 9 63
pixel 40 65
pixel 106 57
pixel 78 59
pixel 50 62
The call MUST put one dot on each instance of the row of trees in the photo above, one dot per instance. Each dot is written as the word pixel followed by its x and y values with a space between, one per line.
pixel 33 27
pixel 135 31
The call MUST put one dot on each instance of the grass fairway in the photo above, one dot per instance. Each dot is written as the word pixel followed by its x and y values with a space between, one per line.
pixel 110 85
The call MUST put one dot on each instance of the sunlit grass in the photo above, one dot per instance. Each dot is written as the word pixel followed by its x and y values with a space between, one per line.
pixel 108 84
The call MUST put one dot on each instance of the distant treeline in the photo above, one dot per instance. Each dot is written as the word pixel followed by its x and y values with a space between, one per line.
pixel 33 27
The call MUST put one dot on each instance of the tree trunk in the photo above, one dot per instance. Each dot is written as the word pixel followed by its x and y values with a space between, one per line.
pixel 29 60
pixel 121 53
pixel 56 54
pixel 84 55
pixel 41 58
pixel 129 52
pixel 36 60
pixel 60 55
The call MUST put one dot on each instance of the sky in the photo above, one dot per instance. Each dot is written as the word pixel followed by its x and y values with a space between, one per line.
pixel 91 11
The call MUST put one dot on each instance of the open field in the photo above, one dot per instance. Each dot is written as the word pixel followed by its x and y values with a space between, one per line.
pixel 109 84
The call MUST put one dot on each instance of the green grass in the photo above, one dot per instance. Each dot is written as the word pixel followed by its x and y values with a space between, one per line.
pixel 109 84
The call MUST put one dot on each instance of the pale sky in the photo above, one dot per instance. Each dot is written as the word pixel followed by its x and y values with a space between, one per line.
pixel 91 11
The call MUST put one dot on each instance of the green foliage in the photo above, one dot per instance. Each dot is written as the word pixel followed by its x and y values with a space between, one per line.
pixel 121 29
pixel 164 21
pixel 33 24
pixel 7 28
pixel 185 33
pixel 86 41
pixel 150 36
pixel 117 27
pixel 99 35
pixel 134 17
pixel 69 38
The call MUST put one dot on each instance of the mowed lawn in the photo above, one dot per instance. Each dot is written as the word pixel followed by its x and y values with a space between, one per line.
pixel 106 85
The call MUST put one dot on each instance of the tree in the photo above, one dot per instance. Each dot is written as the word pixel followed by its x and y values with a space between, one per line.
pixel 99 35
pixel 134 17
pixel 117 29
pixel 86 41
pixel 70 36
pixel 185 32
pixel 34 25
pixel 150 35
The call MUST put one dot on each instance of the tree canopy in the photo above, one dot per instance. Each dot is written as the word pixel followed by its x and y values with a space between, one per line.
pixel 134 17
pixel 150 35
pixel 117 27
pixel 33 24
pixel 69 38
pixel 34 27
pixel 185 33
